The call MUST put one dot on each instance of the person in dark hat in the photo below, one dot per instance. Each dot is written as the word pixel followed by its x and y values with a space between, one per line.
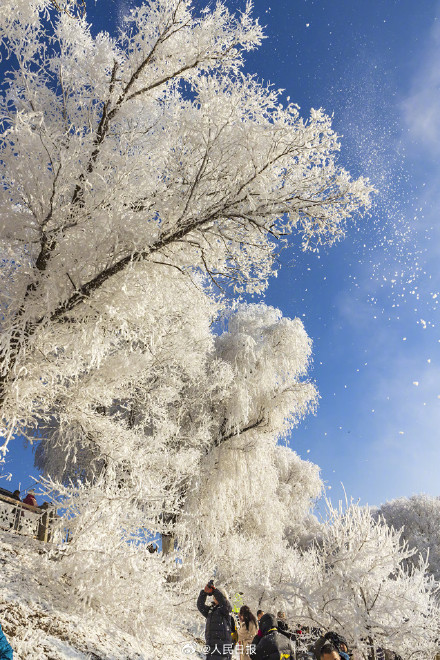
pixel 334 639
pixel 273 644
pixel 218 622
pixel 330 652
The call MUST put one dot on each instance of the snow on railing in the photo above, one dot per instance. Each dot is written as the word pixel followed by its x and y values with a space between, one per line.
pixel 35 521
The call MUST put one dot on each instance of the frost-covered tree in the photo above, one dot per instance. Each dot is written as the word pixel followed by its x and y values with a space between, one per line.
pixel 356 580
pixel 197 462
pixel 249 496
pixel 144 152
pixel 199 404
pixel 137 393
pixel 227 505
pixel 418 518
pixel 71 7
pixel 138 172
pixel 24 13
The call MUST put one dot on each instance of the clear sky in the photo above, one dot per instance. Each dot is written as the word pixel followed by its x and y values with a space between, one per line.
pixel 370 304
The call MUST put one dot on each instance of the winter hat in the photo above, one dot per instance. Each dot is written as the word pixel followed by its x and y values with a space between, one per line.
pixel 268 622
pixel 336 639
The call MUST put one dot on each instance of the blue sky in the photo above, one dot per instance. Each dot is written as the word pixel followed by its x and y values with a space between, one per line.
pixel 370 303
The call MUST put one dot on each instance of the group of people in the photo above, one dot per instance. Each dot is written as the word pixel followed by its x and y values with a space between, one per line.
pixel 15 495
pixel 16 513
pixel 264 637
pixel 29 499
pixel 257 638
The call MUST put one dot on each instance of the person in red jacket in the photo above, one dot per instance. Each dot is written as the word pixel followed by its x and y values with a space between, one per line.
pixel 30 498
pixel 259 615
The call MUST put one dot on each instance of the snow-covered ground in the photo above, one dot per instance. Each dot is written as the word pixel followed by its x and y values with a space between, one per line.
pixel 41 620
pixel 38 617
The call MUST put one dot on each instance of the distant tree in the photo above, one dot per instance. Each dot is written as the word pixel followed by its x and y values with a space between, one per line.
pixel 141 153
pixel 418 518
pixel 356 580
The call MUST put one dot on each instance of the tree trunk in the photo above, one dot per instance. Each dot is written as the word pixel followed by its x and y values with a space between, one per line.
pixel 167 543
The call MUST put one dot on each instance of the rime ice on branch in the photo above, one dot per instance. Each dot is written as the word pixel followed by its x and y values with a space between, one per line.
pixel 124 154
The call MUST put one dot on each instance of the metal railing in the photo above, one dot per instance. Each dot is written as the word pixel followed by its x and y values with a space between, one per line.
pixel 33 521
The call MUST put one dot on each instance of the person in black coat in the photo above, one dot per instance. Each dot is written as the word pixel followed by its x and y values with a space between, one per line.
pixel 273 645
pixel 218 622
pixel 283 627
